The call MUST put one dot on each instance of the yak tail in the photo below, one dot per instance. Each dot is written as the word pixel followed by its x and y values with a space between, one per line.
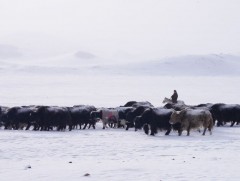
pixel 146 129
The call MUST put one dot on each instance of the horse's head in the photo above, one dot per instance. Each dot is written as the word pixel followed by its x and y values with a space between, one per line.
pixel 166 100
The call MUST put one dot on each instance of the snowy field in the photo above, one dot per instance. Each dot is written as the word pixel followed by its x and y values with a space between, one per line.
pixel 113 91
pixel 119 155
pixel 116 154
pixel 106 53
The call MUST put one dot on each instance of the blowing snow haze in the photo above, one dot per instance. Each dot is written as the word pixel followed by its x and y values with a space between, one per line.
pixel 95 33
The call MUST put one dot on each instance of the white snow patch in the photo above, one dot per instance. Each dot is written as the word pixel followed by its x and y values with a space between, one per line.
pixel 116 154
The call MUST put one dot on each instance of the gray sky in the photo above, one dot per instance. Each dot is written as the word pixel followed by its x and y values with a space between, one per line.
pixel 134 29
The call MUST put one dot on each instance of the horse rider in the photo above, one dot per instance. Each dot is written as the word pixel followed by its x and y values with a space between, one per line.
pixel 174 96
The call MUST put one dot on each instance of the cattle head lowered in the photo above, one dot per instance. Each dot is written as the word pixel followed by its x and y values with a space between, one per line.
pixel 177 116
pixel 131 115
pixel 97 115
pixel 145 117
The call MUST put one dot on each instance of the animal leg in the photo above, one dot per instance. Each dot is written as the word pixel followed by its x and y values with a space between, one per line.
pixel 16 126
pixel 168 131
pixel 233 122
pixel 34 127
pixel 104 124
pixel 146 129
pixel 28 126
pixel 188 131
pixel 204 131
pixel 85 126
pixel 153 131
pixel 219 123
pixel 179 132
pixel 210 130
pixel 7 126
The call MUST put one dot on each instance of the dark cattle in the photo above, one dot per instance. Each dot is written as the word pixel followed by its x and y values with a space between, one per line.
pixel 50 117
pixel 137 104
pixel 131 115
pixel 19 117
pixel 224 113
pixel 144 104
pixel 81 115
pixel 207 105
pixel 122 113
pixel 10 118
pixel 129 104
pixel 202 107
pixel 157 119
pixel 193 119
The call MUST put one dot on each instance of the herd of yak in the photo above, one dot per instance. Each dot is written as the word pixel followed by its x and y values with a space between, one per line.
pixel 137 115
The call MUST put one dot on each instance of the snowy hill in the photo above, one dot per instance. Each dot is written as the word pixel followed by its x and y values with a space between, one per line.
pixel 191 65
pixel 87 63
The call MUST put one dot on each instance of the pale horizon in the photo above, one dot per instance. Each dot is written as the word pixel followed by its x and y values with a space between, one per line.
pixel 120 30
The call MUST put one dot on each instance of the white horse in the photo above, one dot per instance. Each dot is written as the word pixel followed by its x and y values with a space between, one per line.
pixel 167 100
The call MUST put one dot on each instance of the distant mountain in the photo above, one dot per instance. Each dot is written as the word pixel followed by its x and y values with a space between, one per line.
pixel 87 63
pixel 190 65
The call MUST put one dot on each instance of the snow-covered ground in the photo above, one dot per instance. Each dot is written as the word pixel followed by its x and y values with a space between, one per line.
pixel 113 91
pixel 105 53
pixel 116 154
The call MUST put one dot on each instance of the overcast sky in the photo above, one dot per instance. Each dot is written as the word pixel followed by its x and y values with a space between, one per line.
pixel 146 29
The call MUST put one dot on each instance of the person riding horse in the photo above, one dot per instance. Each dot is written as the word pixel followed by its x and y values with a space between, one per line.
pixel 174 97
